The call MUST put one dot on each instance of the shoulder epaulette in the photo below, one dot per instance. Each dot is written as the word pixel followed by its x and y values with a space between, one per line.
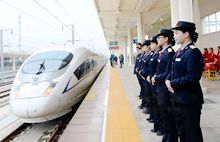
pixel 170 50
pixel 192 46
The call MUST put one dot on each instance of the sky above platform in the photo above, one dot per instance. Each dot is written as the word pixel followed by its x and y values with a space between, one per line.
pixel 46 23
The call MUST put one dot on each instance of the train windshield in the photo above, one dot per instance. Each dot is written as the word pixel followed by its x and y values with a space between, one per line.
pixel 47 62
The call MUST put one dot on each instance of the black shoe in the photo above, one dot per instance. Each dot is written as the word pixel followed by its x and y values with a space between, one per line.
pixel 140 107
pixel 159 133
pixel 153 130
pixel 148 119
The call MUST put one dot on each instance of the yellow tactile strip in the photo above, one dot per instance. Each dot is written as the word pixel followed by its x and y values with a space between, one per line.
pixel 121 125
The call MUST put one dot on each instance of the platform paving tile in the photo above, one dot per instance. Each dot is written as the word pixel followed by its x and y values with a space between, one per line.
pixel 85 128
pixel 84 121
pixel 81 137
pixel 91 109
pixel 210 117
pixel 88 114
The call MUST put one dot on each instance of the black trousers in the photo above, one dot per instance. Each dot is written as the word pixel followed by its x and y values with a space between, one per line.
pixel 169 127
pixel 165 111
pixel 146 94
pixel 187 119
pixel 141 85
pixel 155 111
pixel 121 63
pixel 111 63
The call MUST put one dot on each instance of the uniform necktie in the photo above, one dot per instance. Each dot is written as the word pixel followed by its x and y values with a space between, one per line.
pixel 178 51
pixel 160 53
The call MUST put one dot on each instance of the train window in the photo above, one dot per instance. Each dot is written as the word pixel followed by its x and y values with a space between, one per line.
pixel 79 72
pixel 66 61
pixel 93 62
pixel 85 68
pixel 47 62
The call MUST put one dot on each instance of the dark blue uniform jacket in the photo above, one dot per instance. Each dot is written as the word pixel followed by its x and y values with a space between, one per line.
pixel 185 74
pixel 144 71
pixel 140 64
pixel 137 62
pixel 164 65
pixel 141 61
pixel 153 63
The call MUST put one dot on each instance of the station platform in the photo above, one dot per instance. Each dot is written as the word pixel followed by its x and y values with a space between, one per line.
pixel 109 112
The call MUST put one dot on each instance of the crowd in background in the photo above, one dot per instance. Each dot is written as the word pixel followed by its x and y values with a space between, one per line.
pixel 210 57
pixel 114 60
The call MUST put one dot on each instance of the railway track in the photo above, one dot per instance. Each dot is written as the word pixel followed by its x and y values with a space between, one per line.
pixel 18 131
pixel 4 93
pixel 41 132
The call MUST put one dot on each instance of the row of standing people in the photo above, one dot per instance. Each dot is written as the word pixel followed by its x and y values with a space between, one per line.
pixel 210 57
pixel 114 60
pixel 169 82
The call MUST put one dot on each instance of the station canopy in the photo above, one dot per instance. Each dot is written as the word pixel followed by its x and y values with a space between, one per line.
pixel 117 16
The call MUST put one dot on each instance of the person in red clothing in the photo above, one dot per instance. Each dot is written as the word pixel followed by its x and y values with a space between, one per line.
pixel 205 53
pixel 218 58
pixel 211 56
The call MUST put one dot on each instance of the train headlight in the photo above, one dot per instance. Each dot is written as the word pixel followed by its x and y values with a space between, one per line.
pixel 48 91
pixel 17 89
pixel 50 88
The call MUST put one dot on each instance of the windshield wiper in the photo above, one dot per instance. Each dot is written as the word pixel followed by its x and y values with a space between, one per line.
pixel 41 69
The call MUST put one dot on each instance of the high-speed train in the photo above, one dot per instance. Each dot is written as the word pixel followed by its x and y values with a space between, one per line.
pixel 51 81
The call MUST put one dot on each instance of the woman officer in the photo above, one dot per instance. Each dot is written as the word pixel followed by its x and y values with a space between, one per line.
pixel 154 116
pixel 143 72
pixel 166 41
pixel 183 83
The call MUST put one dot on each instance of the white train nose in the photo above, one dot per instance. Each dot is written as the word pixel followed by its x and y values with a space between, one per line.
pixel 34 107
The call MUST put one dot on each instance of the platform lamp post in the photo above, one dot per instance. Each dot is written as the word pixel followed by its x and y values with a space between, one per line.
pixel 2 52
pixel 72 28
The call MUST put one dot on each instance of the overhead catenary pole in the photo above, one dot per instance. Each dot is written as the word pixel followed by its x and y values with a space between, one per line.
pixel 1 44
pixel 2 52
pixel 19 23
pixel 72 29
pixel 73 34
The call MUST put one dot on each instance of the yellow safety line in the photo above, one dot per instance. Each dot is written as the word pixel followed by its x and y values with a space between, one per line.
pixel 121 125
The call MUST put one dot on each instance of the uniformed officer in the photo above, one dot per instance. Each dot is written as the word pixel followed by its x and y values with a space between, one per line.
pixel 166 40
pixel 137 63
pixel 152 70
pixel 143 72
pixel 183 83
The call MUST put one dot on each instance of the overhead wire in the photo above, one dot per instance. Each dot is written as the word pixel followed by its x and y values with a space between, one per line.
pixel 26 13
pixel 67 13
pixel 50 13
pixel 33 17
pixel 42 21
